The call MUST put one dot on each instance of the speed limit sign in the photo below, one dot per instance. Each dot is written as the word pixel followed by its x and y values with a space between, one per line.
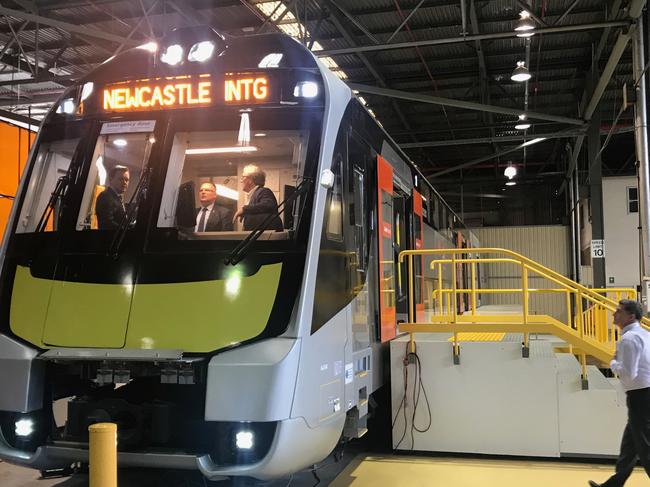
pixel 598 249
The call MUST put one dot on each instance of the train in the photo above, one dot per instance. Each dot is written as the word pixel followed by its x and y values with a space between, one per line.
pixel 233 348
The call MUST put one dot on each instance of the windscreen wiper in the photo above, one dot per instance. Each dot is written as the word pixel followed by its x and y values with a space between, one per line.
pixel 239 252
pixel 57 195
pixel 139 195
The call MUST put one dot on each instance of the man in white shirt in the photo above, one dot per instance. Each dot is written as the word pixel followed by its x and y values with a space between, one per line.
pixel 632 364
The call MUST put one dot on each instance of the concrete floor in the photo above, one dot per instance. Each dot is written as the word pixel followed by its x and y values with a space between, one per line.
pixel 372 471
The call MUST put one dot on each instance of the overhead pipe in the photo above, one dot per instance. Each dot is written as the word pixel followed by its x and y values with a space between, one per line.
pixel 463 14
pixel 641 136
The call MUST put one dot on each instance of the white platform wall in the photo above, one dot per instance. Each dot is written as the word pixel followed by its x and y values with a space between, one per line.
pixel 496 402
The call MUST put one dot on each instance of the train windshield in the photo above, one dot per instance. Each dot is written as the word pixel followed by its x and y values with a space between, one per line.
pixel 48 180
pixel 118 159
pixel 223 184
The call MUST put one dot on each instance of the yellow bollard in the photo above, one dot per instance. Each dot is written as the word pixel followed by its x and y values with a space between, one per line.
pixel 103 455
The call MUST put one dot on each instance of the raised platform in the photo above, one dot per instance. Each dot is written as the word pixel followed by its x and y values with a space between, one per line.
pixel 497 403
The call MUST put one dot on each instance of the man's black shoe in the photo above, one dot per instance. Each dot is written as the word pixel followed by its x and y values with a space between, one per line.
pixel 593 484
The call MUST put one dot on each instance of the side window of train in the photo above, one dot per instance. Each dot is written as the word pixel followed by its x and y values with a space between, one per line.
pixel 50 166
pixel 334 208
pixel 357 216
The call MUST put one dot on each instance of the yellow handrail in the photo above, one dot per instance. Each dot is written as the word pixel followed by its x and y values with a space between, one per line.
pixel 588 327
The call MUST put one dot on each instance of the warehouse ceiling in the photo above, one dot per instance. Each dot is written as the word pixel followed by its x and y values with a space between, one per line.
pixel 436 74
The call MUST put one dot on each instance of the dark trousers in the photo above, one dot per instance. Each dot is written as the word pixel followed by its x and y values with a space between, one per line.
pixel 636 438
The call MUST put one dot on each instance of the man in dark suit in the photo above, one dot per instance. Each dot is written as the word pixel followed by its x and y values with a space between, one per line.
pixel 109 206
pixel 211 217
pixel 261 201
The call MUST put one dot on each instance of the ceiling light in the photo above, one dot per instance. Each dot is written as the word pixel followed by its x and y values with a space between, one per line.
pixel 534 141
pixel 201 51
pixel 221 150
pixel 172 55
pixel 260 134
pixel 511 183
pixel 510 172
pixel 520 73
pixel 149 46
pixel 525 25
pixel 120 142
pixel 522 116
pixel 226 192
pixel 522 126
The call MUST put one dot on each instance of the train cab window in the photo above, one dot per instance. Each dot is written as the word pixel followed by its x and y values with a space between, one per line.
pixel 434 210
pixel 114 176
pixel 51 165
pixel 220 188
pixel 334 227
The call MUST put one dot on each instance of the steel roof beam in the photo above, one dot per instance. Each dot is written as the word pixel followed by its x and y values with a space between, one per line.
pixel 506 138
pixel 467 105
pixel 474 162
pixel 19 118
pixel 67 26
pixel 531 13
pixel 373 70
pixel 564 15
pixel 462 39
pixel 614 57
pixel 49 98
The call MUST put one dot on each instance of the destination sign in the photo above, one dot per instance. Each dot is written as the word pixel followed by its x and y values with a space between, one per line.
pixel 158 94
pixel 246 88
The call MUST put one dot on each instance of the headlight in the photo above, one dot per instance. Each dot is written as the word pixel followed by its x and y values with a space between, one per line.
pixel 201 51
pixel 24 427
pixel 172 55
pixel 305 89
pixel 244 440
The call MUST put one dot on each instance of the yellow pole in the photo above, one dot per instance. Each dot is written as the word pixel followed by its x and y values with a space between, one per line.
pixel 579 314
pixel 411 284
pixel 473 288
pixel 524 294
pixel 453 285
pixel 103 455
pixel 440 296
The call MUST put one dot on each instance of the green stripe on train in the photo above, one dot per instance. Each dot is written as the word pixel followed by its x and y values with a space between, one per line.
pixel 194 316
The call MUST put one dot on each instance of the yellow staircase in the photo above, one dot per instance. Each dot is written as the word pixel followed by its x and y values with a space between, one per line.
pixel 587 328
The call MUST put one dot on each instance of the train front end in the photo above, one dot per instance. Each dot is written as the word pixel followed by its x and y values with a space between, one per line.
pixel 182 329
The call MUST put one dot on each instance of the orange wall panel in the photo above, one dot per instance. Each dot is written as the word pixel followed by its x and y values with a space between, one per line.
pixel 14 148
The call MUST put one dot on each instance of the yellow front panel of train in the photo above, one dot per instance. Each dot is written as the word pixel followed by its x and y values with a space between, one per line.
pixel 193 317
pixel 203 316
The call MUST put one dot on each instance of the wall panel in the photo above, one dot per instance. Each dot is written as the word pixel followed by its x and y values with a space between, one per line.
pixel 14 148
pixel 548 245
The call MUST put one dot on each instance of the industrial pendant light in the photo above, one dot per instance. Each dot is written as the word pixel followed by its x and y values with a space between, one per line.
pixel 520 73
pixel 524 25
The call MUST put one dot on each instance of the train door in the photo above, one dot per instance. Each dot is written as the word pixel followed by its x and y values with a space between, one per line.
pixel 418 262
pixel 401 241
pixel 385 247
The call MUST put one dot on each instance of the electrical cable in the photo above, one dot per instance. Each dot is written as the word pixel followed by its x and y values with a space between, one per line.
pixel 418 391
